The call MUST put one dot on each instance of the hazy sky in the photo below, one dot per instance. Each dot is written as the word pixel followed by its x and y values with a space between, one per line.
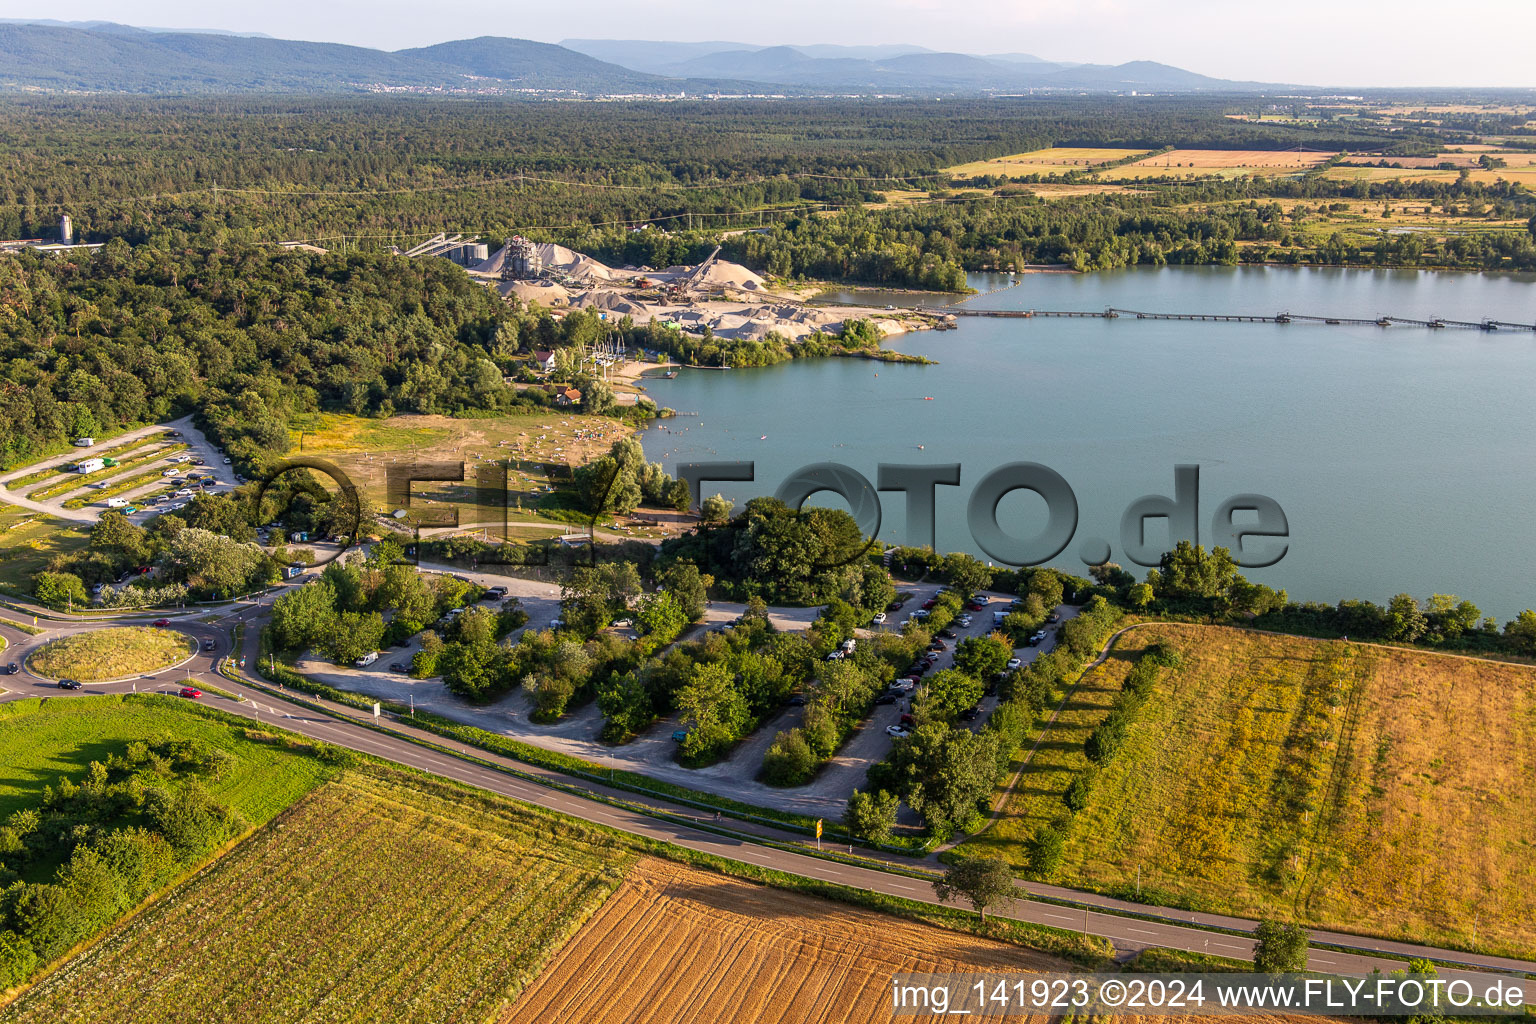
pixel 1324 42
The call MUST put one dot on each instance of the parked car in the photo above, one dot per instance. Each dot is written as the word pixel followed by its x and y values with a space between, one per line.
pixel 970 713
pixel 161 623
pixel 920 614
pixel 1053 617
pixel 69 684
pixel 894 606
pixel 932 656
pixel 948 634
pixel 965 621
pixel 680 735
pixel 886 698
pixel 226 460
pixel 191 692
pixel 977 606
pixel 896 732
pixel 938 645
pixel 879 619
pixel 797 701
pixel 908 720
pixel 1014 662
pixel 928 604
pixel 12 669
pixel 178 506
pixel 398 666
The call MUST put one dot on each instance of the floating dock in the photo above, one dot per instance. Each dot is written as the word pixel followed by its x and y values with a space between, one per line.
pixel 1112 313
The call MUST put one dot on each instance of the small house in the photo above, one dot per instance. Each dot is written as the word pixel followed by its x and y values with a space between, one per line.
pixel 568 397
pixel 544 358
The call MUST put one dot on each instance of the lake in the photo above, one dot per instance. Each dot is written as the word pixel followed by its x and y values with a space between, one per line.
pixel 1404 458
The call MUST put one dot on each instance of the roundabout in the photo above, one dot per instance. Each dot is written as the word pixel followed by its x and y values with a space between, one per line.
pixel 111 654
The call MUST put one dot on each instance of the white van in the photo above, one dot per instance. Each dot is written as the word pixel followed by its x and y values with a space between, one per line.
pixel 998 617
pixel 367 659
pixel 116 502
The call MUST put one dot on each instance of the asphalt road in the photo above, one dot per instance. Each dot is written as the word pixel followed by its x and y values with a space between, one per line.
pixel 1165 928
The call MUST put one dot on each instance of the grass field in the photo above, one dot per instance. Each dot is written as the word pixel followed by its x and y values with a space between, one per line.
pixel 110 653
pixel 365 449
pixel 1360 788
pixel 1192 163
pixel 41 739
pixel 28 541
pixel 1041 161
pixel 372 899
pixel 680 944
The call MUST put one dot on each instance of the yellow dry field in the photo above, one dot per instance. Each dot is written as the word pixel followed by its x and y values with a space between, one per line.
pixel 1468 157
pixel 1041 161
pixel 1362 788
pixel 676 944
pixel 1524 174
pixel 1457 108
pixel 1191 163
pixel 365 449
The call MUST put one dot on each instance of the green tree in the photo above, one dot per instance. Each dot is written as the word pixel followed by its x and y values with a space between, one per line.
pixel 304 617
pixel 712 709
pixel 945 694
pixel 1279 948
pixel 984 883
pixel 604 486
pixel 871 816
pixel 789 761
pixel 690 587
pixel 715 509
pixel 626 706
pixel 59 589
pixel 660 618
pixel 1405 620
pixel 966 573
pixel 982 656
pixel 1189 571
pixel 352 635
pixel 1520 632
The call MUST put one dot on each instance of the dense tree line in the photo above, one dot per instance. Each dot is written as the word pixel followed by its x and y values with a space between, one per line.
pixel 248 336
pixel 128 826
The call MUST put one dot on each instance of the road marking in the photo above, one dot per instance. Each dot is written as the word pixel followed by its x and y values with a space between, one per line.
pixel 1141 931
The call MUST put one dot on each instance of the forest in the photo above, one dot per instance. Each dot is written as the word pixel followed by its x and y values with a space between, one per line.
pixel 247 336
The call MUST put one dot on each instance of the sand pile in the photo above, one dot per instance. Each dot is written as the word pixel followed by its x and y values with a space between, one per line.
pixel 611 301
pixel 545 293
pixel 734 276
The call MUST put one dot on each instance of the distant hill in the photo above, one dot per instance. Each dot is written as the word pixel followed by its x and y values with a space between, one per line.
pixel 115 58
pixel 894 68
pixel 108 57
pixel 537 65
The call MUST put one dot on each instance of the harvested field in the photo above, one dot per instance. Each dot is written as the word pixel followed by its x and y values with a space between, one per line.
pixel 1362 788
pixel 372 899
pixel 676 944
pixel 1041 161
pixel 1190 163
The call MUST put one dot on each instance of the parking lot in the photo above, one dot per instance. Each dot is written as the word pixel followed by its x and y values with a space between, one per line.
pixel 651 753
pixel 173 466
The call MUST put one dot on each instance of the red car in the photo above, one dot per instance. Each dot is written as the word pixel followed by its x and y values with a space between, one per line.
pixel 191 692
pixel 161 623
pixel 928 604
